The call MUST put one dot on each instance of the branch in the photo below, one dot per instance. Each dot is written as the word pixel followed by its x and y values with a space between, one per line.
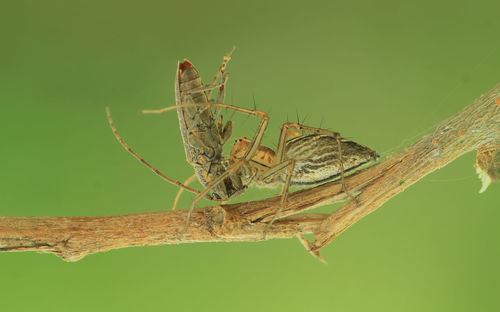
pixel 72 238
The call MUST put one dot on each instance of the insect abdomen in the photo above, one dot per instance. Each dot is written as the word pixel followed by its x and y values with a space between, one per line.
pixel 317 157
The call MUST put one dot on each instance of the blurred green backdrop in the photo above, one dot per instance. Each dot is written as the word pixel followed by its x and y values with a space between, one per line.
pixel 380 72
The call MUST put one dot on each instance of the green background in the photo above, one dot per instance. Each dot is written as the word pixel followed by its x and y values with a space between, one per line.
pixel 381 72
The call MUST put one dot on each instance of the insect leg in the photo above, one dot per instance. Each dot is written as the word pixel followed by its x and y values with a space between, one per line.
pixel 222 69
pixel 178 196
pixel 142 160
pixel 289 165
pixel 344 188
pixel 221 94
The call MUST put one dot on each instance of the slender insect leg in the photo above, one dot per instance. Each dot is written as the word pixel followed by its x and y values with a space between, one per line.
pixel 222 69
pixel 204 88
pixel 221 94
pixel 164 177
pixel 222 85
pixel 178 196
pixel 222 89
pixel 289 165
pixel 344 188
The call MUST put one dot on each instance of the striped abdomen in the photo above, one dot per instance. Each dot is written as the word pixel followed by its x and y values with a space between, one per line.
pixel 317 158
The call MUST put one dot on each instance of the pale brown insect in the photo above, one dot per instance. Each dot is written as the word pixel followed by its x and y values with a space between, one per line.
pixel 202 135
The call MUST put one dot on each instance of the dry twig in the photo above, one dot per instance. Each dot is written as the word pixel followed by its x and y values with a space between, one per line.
pixel 475 127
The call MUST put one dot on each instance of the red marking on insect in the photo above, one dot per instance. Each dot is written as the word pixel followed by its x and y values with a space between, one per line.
pixel 185 65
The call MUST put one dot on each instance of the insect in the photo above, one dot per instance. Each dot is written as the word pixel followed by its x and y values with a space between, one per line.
pixel 203 136
pixel 300 159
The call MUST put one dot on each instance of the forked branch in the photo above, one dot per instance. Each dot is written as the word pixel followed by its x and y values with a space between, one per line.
pixel 475 127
